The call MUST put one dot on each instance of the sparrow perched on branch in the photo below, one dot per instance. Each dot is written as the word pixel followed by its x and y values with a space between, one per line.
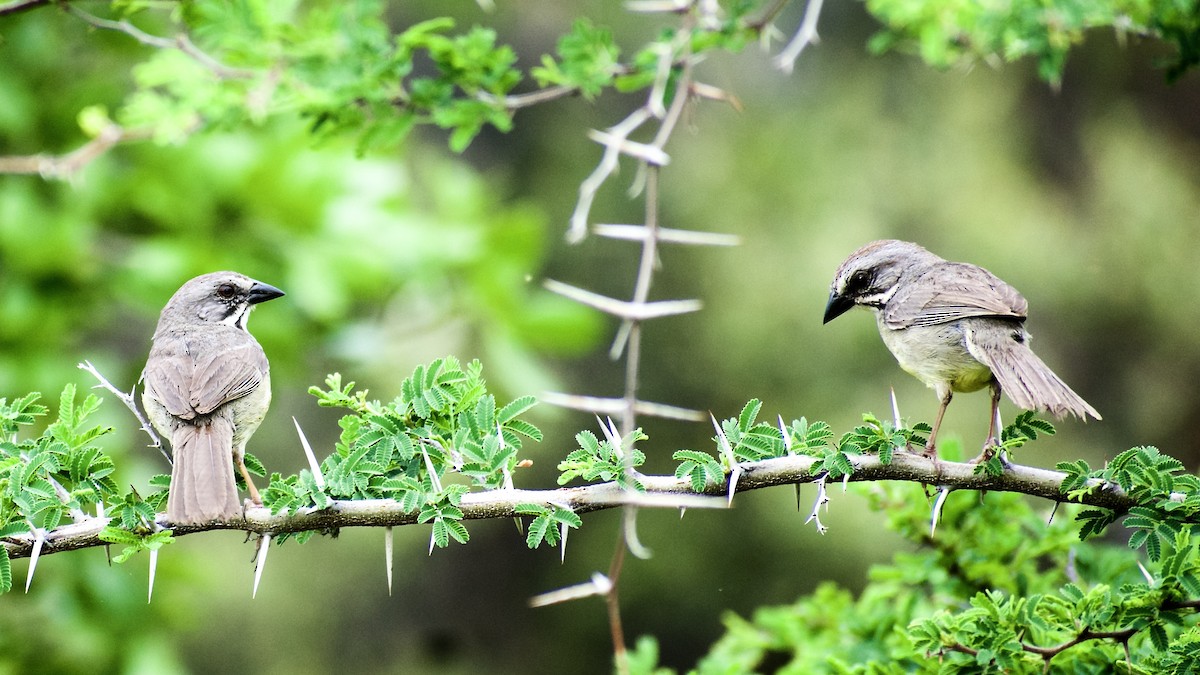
pixel 955 326
pixel 207 388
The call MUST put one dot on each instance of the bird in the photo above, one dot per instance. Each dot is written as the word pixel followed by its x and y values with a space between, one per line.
pixel 207 386
pixel 954 326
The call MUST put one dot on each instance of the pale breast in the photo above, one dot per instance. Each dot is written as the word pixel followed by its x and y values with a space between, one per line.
pixel 936 354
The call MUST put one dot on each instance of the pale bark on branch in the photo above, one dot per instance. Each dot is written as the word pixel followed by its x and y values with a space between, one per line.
pixel 665 491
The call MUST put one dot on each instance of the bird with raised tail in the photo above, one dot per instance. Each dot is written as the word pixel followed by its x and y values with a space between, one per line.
pixel 954 326
pixel 207 388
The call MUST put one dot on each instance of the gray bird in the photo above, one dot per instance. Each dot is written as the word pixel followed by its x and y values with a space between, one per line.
pixel 954 326
pixel 207 388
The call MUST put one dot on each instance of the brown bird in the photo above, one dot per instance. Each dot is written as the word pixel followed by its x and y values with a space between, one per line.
pixel 954 326
pixel 207 388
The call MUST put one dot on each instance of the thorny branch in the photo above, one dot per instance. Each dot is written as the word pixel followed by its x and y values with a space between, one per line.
pixel 17 6
pixel 181 42
pixel 661 491
pixel 66 166
pixel 128 400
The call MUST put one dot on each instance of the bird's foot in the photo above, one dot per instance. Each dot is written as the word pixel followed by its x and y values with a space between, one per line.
pixel 991 448
pixel 930 453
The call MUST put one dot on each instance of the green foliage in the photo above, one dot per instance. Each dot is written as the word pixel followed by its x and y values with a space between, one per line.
pixel 610 459
pixel 749 441
pixel 1024 428
pixel 63 474
pixel 548 523
pixel 588 60
pixel 998 590
pixel 945 34
pixel 135 543
pixel 700 468
pixel 444 423
pixel 44 480
pixel 1167 496
pixel 341 67
pixel 5 571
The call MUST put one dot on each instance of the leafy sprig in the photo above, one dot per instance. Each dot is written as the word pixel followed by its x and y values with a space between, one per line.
pixel 607 460
pixel 443 424
pixel 1167 497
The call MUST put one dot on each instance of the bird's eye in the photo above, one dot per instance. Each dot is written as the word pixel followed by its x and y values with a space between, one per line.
pixel 859 281
pixel 226 291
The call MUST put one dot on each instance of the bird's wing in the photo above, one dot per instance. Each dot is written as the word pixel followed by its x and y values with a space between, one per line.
pixel 191 378
pixel 220 377
pixel 168 378
pixel 950 291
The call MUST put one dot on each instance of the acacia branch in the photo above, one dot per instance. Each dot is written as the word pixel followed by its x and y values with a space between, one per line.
pixel 67 165
pixel 1086 634
pixel 664 491
pixel 17 6
pixel 181 42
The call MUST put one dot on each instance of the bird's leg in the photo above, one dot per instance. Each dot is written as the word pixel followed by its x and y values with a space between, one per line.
pixel 994 426
pixel 241 465
pixel 931 444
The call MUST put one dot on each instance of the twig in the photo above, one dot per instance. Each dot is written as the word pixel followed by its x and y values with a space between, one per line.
pixel 635 310
pixel 128 400
pixel 64 167
pixel 502 503
pixel 181 42
pixel 821 500
pixel 613 406
pixel 518 101
pixel 607 166
pixel 17 6
pixel 805 36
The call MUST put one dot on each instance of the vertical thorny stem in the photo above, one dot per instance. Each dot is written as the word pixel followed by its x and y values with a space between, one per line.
pixel 629 414
pixel 674 86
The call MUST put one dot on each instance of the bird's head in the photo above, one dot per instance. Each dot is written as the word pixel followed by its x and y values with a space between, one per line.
pixel 219 297
pixel 869 276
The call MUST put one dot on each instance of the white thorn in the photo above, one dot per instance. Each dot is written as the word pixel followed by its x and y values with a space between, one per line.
pixel 726 448
pixel 431 543
pixel 153 571
pixel 734 476
pixel 943 492
pixel 822 498
pixel 598 585
pixel 260 561
pixel 631 538
pixel 787 438
pixel 433 476
pixel 735 471
pixel 312 459
pixel 39 537
pixel 682 510
pixel 612 435
pixel 1146 573
pixel 562 536
pixel 845 483
pixel 895 408
pixel 387 554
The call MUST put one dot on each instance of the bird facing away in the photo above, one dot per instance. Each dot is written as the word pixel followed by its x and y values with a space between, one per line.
pixel 954 326
pixel 207 388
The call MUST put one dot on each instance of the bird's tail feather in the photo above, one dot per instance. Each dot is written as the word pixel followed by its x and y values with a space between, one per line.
pixel 202 484
pixel 1027 380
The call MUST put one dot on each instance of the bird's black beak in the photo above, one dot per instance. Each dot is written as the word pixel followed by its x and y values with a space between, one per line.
pixel 838 305
pixel 261 292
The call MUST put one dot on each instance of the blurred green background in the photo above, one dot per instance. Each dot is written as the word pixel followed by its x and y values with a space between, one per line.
pixel 1086 199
